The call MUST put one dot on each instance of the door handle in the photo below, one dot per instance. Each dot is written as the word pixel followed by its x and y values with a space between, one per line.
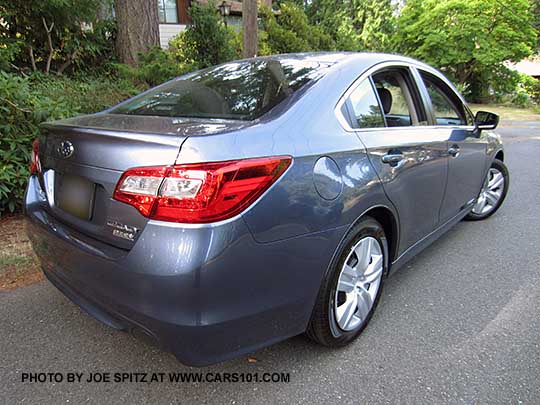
pixel 453 151
pixel 393 158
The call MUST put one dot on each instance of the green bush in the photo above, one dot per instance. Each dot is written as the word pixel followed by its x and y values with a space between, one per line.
pixel 206 42
pixel 9 49
pixel 154 67
pixel 27 102
pixel 521 99
pixel 85 95
pixel 290 31
pixel 22 110
pixel 79 40
pixel 531 87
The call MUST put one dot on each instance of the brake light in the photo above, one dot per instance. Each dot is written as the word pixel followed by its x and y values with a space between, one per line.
pixel 35 165
pixel 201 192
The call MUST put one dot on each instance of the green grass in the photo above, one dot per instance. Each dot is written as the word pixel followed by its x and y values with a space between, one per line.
pixel 509 113
pixel 14 260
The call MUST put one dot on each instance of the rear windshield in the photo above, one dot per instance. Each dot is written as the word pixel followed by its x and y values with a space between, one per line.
pixel 242 90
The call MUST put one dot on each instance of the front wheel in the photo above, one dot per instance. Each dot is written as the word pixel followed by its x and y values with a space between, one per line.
pixel 493 192
pixel 351 289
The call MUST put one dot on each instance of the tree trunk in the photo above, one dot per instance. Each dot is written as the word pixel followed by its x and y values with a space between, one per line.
pixel 249 22
pixel 103 12
pixel 138 28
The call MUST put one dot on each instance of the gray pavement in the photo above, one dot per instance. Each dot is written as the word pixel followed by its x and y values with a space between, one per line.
pixel 460 323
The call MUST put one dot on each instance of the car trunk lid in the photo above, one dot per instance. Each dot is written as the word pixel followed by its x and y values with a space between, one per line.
pixel 82 160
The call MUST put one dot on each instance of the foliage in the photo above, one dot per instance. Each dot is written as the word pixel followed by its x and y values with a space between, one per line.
pixel 26 102
pixel 154 67
pixel 93 46
pixel 463 89
pixel 84 95
pixel 531 87
pixel 9 50
pixel 290 31
pixel 535 12
pixel 356 25
pixel 206 42
pixel 468 39
pixel 264 46
pixel 52 35
pixel 22 111
pixel 521 98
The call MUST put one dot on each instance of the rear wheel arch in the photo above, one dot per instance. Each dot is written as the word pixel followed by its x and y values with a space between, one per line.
pixel 325 326
pixel 388 221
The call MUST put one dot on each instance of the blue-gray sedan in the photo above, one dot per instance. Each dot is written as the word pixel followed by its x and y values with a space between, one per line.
pixel 240 205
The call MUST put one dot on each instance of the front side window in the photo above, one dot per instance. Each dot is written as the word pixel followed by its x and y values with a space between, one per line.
pixel 242 90
pixel 365 107
pixel 447 107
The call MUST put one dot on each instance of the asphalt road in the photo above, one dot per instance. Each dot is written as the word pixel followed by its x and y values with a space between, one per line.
pixel 460 323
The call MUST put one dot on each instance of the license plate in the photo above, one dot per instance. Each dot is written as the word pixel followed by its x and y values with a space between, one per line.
pixel 75 195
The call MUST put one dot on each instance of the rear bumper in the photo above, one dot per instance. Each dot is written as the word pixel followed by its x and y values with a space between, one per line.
pixel 206 293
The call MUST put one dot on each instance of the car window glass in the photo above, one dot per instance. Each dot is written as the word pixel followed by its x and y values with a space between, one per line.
pixel 241 90
pixel 445 110
pixel 395 97
pixel 365 107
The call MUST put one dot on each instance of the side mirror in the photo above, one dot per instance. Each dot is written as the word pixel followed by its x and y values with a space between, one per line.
pixel 486 120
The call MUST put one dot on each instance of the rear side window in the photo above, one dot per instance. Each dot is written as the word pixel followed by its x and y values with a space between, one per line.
pixel 366 112
pixel 447 107
pixel 242 90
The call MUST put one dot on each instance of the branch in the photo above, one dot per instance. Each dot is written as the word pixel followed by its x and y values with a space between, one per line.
pixel 68 62
pixel 18 69
pixel 11 103
pixel 32 59
pixel 48 30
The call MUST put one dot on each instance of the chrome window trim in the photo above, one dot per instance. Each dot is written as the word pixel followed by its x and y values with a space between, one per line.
pixel 409 65
pixel 412 128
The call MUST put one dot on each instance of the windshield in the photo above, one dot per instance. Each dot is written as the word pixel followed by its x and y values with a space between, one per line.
pixel 242 90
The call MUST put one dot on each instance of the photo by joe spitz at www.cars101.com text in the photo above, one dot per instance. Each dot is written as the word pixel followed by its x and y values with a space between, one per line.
pixel 243 204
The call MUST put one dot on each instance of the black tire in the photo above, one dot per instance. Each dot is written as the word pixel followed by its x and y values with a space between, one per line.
pixel 323 327
pixel 501 167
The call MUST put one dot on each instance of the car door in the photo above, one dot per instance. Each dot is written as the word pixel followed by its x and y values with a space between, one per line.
pixel 466 150
pixel 410 160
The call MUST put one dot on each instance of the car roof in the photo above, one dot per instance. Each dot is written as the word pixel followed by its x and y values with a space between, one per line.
pixel 337 57
pixel 357 61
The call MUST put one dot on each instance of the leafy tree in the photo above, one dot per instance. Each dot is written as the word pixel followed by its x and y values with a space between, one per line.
pixel 535 11
pixel 52 34
pixel 290 31
pixel 356 25
pixel 468 39
pixel 374 21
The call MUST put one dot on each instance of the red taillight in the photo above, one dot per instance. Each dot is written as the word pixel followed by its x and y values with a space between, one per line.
pixel 35 165
pixel 201 192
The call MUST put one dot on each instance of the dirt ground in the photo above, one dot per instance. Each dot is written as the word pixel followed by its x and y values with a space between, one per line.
pixel 18 264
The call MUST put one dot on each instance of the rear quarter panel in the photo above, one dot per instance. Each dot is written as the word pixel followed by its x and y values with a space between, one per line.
pixel 307 132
